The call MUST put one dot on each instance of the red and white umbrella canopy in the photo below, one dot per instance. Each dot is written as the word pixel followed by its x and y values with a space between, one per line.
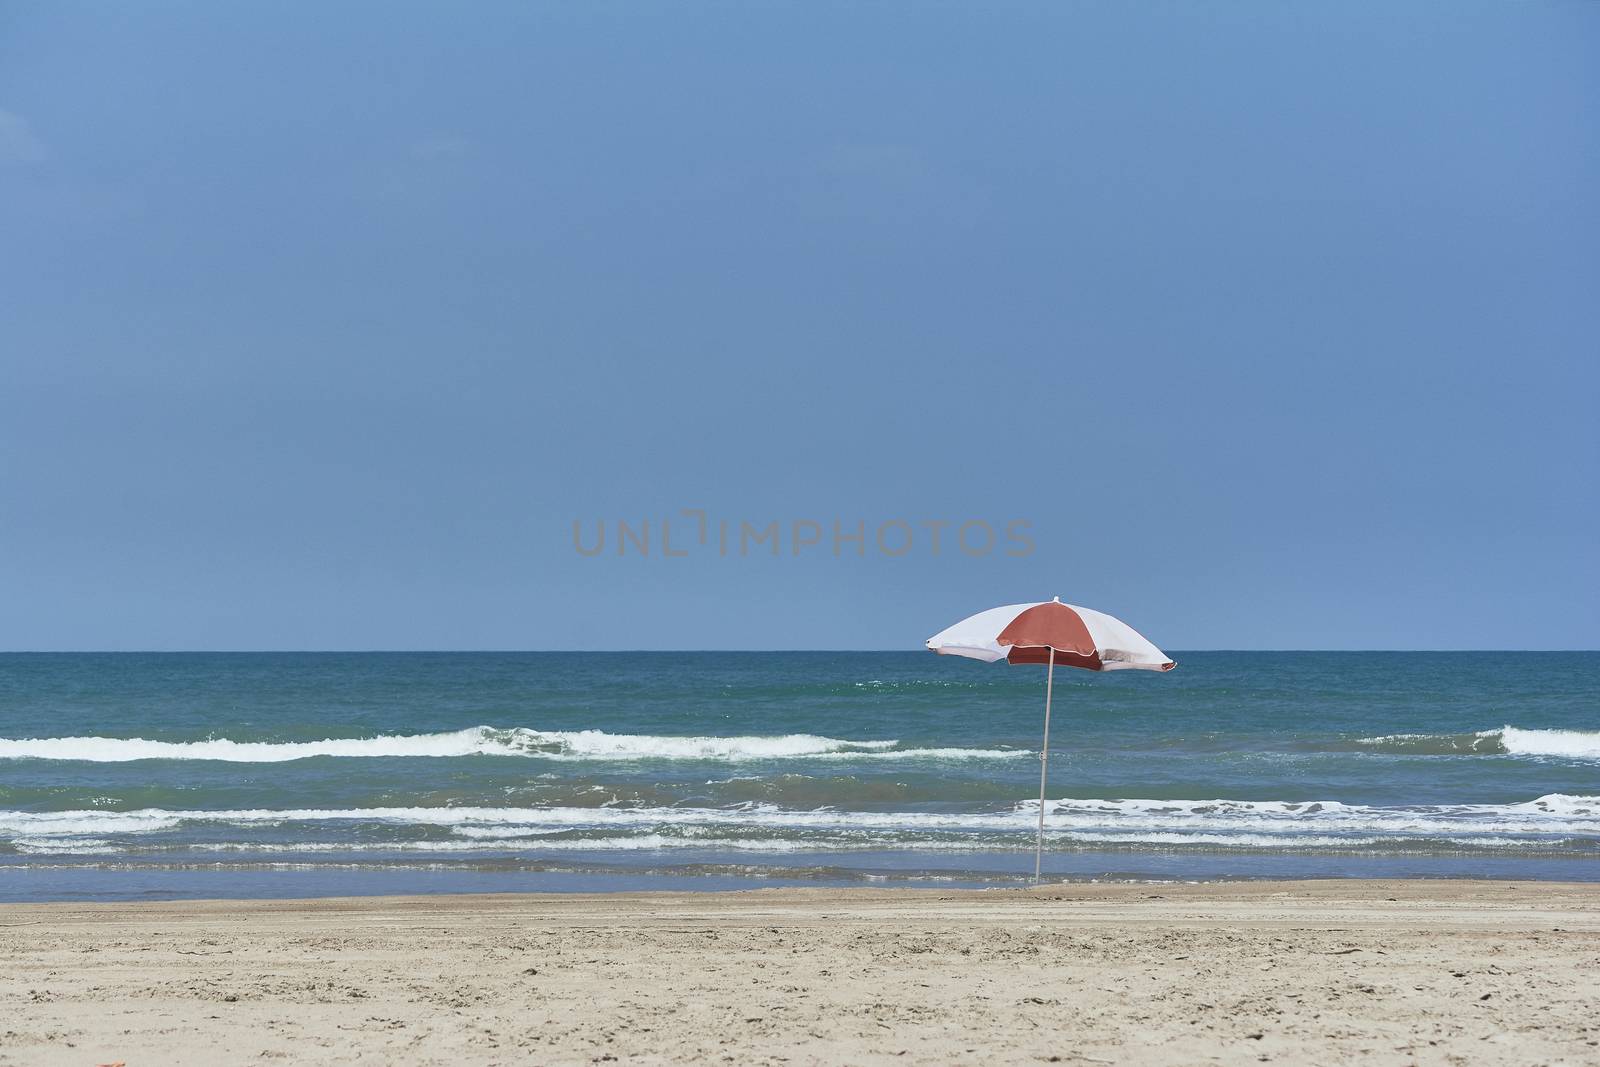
pixel 1025 633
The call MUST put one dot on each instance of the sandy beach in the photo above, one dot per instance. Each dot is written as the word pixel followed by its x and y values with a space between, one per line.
pixel 1308 972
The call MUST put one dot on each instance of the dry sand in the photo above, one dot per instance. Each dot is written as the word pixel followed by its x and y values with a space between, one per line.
pixel 1323 973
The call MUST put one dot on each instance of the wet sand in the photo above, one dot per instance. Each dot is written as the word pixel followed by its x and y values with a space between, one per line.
pixel 1282 972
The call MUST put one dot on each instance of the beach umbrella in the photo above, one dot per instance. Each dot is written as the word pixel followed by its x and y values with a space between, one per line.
pixel 1050 632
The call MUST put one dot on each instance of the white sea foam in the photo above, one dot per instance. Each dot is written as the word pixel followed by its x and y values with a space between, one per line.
pixel 1506 741
pixel 75 845
pixel 74 823
pixel 632 843
pixel 572 745
pixel 678 839
pixel 819 843
pixel 1240 822
pixel 1578 744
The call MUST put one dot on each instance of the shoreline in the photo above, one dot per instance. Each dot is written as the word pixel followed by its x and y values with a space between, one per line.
pixel 1326 971
pixel 1330 889
pixel 121 880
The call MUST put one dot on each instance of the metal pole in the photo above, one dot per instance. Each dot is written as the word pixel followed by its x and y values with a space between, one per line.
pixel 1044 766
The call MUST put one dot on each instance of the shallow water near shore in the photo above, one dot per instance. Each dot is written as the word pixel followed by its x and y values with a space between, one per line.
pixel 137 776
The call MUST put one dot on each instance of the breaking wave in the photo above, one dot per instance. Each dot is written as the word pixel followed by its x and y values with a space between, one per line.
pixel 487 741
pixel 1555 820
pixel 1506 741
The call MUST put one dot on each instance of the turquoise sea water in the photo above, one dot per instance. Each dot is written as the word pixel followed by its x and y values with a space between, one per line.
pixel 137 775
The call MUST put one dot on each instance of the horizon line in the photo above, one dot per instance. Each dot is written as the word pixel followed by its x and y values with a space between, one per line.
pixel 659 651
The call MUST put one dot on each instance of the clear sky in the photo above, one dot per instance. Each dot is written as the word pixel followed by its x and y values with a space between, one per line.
pixel 321 324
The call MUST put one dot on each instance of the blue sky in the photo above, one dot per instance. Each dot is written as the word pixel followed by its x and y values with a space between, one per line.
pixel 321 325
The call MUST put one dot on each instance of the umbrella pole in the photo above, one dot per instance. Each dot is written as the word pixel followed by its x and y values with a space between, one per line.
pixel 1044 766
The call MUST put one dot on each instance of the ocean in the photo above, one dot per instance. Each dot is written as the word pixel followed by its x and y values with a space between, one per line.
pixel 148 776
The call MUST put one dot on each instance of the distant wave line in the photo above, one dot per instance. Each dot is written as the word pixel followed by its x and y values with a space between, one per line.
pixel 651 842
pixel 574 745
pixel 1554 813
